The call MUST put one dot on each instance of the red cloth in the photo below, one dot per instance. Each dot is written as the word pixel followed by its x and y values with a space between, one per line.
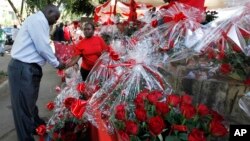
pixel 90 49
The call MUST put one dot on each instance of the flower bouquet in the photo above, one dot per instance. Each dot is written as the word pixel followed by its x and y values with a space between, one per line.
pixel 64 52
pixel 155 117
pixel 68 121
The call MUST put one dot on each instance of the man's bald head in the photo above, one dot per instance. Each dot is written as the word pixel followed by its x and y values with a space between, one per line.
pixel 51 13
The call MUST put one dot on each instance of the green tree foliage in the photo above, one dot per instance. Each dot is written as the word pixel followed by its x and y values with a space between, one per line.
pixel 77 7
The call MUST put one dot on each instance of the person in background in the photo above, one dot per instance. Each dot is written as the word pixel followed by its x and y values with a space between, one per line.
pixel 2 40
pixel 30 51
pixel 89 48
pixel 59 34
pixel 14 32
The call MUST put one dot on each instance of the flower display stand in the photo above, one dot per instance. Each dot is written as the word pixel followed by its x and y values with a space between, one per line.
pixel 222 96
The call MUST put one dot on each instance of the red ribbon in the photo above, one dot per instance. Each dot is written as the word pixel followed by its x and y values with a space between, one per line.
pixel 78 108
pixel 176 18
pixel 41 130
pixel 129 64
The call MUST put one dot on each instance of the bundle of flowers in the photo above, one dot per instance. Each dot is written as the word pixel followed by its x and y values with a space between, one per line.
pixel 64 52
pixel 155 117
pixel 67 124
pixel 229 56
pixel 68 121
pixel 227 46
pixel 140 71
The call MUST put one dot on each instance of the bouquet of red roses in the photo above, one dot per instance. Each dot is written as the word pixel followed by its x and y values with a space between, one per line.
pixel 172 118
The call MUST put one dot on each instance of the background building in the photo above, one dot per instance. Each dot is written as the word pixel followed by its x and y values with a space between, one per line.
pixel 8 17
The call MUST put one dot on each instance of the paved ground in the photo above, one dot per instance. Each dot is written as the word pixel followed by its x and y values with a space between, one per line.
pixel 47 93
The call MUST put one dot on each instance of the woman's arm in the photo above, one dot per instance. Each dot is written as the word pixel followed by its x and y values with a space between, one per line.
pixel 73 61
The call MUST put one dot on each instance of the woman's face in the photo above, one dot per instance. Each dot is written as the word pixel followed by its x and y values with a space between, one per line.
pixel 88 31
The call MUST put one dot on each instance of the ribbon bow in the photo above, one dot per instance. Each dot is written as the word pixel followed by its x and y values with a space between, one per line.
pixel 78 108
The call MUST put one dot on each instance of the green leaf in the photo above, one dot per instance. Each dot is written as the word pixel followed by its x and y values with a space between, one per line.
pixel 134 138
pixel 183 136
pixel 172 138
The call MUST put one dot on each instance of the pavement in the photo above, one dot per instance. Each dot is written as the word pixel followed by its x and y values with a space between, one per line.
pixel 47 93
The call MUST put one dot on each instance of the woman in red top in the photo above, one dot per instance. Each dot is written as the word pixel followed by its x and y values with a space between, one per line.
pixel 89 48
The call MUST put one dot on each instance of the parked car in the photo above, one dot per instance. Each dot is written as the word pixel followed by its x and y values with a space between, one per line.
pixel 8 32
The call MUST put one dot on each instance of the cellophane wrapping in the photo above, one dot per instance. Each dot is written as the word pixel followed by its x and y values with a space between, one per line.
pixel 244 103
pixel 64 123
pixel 225 47
pixel 104 68
pixel 141 73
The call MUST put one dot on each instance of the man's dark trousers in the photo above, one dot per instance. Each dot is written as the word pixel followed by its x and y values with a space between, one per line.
pixel 24 82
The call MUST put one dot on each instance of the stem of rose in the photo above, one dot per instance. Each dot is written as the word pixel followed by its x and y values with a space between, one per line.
pixel 160 137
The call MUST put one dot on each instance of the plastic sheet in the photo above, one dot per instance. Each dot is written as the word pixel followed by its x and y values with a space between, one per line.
pixel 244 103
pixel 141 73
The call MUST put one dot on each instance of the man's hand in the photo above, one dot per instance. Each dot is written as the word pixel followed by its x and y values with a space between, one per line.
pixel 61 66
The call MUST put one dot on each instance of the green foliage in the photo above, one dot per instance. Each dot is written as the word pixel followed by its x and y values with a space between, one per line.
pixel 77 7
pixel 210 16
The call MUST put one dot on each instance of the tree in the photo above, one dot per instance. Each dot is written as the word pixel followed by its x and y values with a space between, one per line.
pixel 18 15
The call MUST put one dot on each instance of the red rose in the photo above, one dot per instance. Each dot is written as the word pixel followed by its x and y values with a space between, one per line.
pixel 41 130
pixel 196 135
pixel 131 127
pixel 186 99
pixel 221 56
pixel 216 115
pixel 141 114
pixel 202 110
pixel 81 87
pixel 188 111
pixel 154 96
pixel 154 23
pixel 156 125
pixel 123 136
pixel 114 56
pixel 162 108
pixel 60 73
pixel 120 112
pixel 68 102
pixel 225 68
pixel 247 81
pixel 217 129
pixel 211 53
pixel 173 100
pixel 55 136
pixel 50 106
pixel 181 128
pixel 139 100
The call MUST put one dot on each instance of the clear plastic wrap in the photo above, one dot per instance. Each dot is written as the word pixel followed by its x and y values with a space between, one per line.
pixel 176 24
pixel 141 73
pixel 226 46
pixel 106 66
pixel 244 103
pixel 68 118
